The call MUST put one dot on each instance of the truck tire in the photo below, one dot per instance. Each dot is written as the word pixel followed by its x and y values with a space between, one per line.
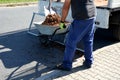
pixel 116 32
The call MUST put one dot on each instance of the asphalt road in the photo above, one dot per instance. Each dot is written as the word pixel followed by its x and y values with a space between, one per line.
pixel 15 18
pixel 21 55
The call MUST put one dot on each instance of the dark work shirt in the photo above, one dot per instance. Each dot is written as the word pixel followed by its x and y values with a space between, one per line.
pixel 82 9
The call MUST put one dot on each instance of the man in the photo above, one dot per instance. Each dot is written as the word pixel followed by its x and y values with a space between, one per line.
pixel 82 27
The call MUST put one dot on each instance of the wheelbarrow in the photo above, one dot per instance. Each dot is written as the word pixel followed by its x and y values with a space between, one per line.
pixel 47 32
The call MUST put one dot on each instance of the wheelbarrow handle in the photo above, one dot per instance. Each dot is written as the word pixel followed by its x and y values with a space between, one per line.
pixel 55 31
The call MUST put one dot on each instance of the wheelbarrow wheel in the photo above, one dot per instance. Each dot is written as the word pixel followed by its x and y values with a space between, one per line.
pixel 44 40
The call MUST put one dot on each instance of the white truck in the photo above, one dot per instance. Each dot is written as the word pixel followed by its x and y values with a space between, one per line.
pixel 108 16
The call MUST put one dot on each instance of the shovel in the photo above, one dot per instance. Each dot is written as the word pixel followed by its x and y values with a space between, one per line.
pixel 49 9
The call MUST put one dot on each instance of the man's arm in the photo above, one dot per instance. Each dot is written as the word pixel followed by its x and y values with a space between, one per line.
pixel 65 9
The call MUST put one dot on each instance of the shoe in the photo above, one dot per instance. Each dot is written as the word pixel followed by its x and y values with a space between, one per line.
pixel 86 65
pixel 61 67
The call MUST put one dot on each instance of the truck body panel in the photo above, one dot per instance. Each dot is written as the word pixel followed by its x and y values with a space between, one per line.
pixel 113 3
pixel 102 18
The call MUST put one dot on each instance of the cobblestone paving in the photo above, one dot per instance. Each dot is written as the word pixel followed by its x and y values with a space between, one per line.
pixel 106 66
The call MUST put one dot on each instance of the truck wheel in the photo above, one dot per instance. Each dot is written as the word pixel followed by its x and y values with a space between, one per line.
pixel 116 32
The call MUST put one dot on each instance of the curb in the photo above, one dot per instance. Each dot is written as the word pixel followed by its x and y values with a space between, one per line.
pixel 48 75
pixel 18 4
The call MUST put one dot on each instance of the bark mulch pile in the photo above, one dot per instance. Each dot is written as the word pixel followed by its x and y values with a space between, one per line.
pixel 52 19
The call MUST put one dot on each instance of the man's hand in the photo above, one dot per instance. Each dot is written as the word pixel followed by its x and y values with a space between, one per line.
pixel 62 25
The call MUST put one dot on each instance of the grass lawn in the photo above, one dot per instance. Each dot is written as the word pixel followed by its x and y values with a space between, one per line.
pixel 15 1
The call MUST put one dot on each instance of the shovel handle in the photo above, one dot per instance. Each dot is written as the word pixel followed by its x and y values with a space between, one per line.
pixel 49 6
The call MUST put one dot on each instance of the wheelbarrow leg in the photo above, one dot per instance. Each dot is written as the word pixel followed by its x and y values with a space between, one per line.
pixel 30 26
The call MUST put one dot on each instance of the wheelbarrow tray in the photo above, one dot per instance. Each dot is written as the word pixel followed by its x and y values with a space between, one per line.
pixel 48 29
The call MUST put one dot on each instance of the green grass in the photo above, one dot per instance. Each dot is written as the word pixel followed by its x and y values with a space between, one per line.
pixel 15 1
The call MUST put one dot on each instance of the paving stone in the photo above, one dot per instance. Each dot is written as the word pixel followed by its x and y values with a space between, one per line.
pixel 106 66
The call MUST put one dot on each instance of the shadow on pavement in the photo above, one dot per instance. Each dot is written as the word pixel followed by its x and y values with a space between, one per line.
pixel 103 38
pixel 23 52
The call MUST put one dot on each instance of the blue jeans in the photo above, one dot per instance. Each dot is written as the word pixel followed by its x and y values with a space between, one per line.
pixel 79 29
